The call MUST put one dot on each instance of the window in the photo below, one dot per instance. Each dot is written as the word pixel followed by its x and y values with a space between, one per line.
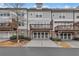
pixel 20 14
pixel 53 15
pixel 42 35
pixel 4 14
pixel 38 35
pixel 61 35
pixel 77 16
pixel 46 35
pixel 21 23
pixel 35 35
pixel 38 16
pixel 69 36
pixel 8 14
pixel 65 35
pixel 1 14
pixel 31 14
pixel 61 16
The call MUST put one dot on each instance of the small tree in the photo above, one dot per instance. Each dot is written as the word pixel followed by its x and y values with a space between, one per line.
pixel 16 7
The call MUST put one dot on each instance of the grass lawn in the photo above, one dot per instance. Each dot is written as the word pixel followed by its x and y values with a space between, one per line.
pixel 10 43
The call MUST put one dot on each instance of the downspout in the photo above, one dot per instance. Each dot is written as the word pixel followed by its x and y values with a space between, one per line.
pixel 27 22
pixel 73 22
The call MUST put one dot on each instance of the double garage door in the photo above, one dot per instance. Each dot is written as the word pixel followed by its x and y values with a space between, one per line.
pixel 40 35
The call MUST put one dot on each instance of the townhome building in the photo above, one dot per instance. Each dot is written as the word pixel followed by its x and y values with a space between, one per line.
pixel 40 23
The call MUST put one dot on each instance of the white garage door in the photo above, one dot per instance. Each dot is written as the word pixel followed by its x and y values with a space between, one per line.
pixel 40 35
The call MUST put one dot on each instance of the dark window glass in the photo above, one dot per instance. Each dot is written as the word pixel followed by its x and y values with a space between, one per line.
pixel 1 14
pixel 8 14
pixel 77 16
pixel 4 14
pixel 40 15
pixel 63 16
pixel 36 15
pixel 59 16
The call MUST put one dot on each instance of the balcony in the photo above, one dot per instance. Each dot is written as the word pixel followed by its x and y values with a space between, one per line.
pixel 8 26
pixel 40 26
pixel 64 27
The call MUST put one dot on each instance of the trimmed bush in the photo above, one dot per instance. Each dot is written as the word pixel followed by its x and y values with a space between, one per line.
pixel 55 39
pixel 21 37
pixel 13 37
pixel 76 38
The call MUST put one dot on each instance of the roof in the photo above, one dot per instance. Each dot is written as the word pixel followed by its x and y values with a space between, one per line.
pixel 43 9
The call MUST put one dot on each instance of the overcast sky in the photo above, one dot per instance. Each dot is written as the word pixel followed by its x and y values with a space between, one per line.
pixel 49 5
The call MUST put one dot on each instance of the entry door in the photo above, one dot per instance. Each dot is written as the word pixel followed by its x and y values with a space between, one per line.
pixel 40 35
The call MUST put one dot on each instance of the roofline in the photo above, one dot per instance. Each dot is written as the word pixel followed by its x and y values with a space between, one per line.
pixel 50 9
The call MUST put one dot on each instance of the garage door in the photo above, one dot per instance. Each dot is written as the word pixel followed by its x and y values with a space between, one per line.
pixel 40 35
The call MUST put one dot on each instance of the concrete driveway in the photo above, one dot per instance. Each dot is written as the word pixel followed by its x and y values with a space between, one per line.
pixel 73 44
pixel 41 43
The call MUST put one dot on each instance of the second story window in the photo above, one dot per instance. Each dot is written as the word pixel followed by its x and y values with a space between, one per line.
pixel 1 14
pixel 8 14
pixel 38 16
pixel 20 14
pixel 4 14
pixel 77 16
pixel 61 16
pixel 21 23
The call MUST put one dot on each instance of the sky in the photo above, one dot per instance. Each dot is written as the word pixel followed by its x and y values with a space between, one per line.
pixel 48 5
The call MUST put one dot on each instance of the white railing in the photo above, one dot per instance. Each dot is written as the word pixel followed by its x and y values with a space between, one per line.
pixel 64 27
pixel 40 26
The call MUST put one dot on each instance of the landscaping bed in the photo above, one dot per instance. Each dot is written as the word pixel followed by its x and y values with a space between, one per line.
pixel 13 42
pixel 61 43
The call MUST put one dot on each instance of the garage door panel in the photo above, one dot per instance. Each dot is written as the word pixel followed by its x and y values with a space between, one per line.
pixel 40 35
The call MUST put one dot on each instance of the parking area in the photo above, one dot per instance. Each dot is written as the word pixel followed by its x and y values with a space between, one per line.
pixel 41 43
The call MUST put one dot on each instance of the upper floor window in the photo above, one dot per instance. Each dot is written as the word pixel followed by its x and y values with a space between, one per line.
pixel 20 14
pixel 77 16
pixel 21 23
pixel 61 16
pixel 4 14
pixel 8 14
pixel 38 16
pixel 1 14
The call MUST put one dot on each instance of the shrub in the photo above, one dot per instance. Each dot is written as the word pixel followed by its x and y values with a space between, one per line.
pixel 13 37
pixel 76 38
pixel 21 37
pixel 51 38
pixel 55 39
